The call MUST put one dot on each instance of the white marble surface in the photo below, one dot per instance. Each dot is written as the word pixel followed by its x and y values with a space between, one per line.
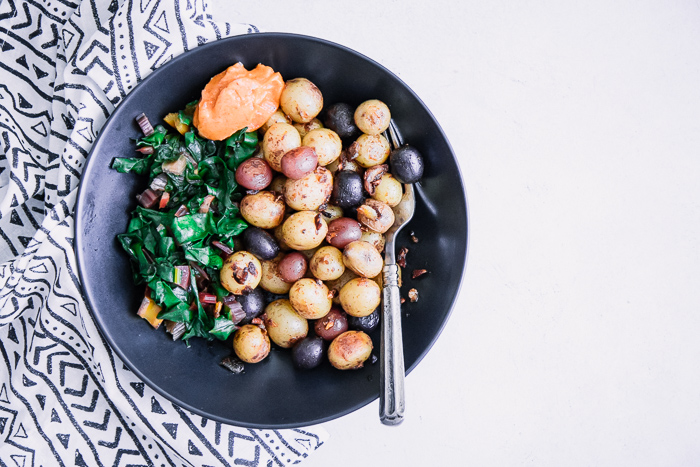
pixel 576 338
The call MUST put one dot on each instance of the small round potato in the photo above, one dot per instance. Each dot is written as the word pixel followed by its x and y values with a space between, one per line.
pixel 277 184
pixel 304 230
pixel 301 100
pixel 363 258
pixel 371 150
pixel 278 140
pixel 251 344
pixel 389 190
pixel 263 209
pixel 374 238
pixel 284 325
pixel 326 143
pixel 336 285
pixel 331 213
pixel 277 117
pixel 305 128
pixel 327 263
pixel 271 280
pixel 376 215
pixel 360 296
pixel 240 271
pixel 372 117
pixel 310 298
pixel 309 192
pixel 350 350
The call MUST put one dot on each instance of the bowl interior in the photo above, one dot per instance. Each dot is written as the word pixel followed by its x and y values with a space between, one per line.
pixel 272 393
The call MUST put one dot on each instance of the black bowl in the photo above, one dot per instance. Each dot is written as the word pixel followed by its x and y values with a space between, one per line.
pixel 270 394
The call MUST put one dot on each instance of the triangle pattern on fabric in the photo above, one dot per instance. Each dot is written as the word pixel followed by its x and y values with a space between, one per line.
pixel 11 334
pixel 138 387
pixel 171 428
pixel 70 308
pixel 19 459
pixel 22 61
pixel 155 406
pixel 14 219
pixel 67 38
pixel 162 23
pixel 192 449
pixel 23 103
pixel 39 72
pixel 39 269
pixel 21 432
pixel 151 49
pixel 63 438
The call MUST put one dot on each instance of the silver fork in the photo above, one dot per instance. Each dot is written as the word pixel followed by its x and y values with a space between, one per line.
pixel 392 372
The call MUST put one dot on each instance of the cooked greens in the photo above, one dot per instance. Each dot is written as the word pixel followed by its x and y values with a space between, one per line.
pixel 186 220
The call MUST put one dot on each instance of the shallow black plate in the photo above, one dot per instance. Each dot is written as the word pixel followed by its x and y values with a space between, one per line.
pixel 272 393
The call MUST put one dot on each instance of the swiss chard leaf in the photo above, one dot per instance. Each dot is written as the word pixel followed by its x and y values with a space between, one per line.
pixel 223 327
pixel 192 227
pixel 137 165
pixel 240 146
pixel 179 313
pixel 205 256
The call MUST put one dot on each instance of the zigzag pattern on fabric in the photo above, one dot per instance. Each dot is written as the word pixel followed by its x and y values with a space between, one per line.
pixel 65 397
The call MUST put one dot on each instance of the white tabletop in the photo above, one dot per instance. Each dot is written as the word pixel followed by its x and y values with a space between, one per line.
pixel 576 337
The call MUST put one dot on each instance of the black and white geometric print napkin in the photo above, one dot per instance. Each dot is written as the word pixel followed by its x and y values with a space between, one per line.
pixel 65 397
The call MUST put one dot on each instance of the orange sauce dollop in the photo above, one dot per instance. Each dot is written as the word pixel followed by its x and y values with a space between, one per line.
pixel 237 98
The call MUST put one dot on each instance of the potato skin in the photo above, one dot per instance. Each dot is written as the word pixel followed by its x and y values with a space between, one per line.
pixel 375 239
pixel 389 190
pixel 284 325
pixel 350 350
pixel 277 117
pixel 241 270
pixel 376 215
pixel 360 296
pixel 310 298
pixel 251 344
pixel 363 258
pixel 309 192
pixel 263 209
pixel 372 117
pixel 327 263
pixel 301 231
pixel 326 143
pixel 305 128
pixel 271 280
pixel 372 150
pixel 337 284
pixel 301 100
pixel 279 139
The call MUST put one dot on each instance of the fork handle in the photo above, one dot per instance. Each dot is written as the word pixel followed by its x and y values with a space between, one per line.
pixel 391 396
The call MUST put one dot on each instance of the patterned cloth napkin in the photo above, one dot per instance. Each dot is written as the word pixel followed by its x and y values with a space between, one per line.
pixel 65 397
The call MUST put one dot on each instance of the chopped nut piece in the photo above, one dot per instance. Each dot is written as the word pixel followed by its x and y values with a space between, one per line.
pixel 403 300
pixel 418 272
pixel 318 222
pixel 232 364
pixel 414 239
pixel 401 259
pixel 413 295
pixel 351 153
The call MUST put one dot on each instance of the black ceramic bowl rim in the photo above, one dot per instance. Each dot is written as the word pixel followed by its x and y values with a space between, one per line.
pixel 81 223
